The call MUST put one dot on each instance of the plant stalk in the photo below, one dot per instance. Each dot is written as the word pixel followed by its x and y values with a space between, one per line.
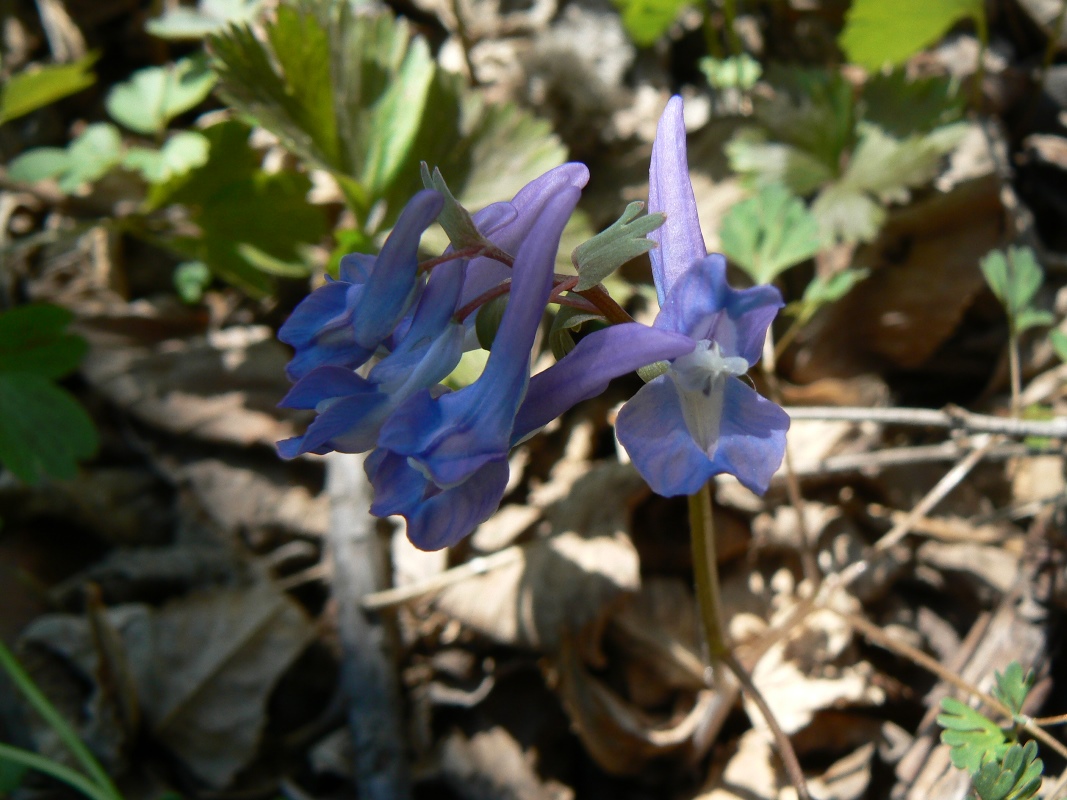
pixel 706 575
pixel 73 778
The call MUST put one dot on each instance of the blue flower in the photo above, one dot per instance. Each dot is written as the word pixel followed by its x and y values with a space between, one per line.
pixel 442 461
pixel 698 419
pixel 342 323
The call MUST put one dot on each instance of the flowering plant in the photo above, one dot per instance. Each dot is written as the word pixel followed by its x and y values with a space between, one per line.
pixel 439 457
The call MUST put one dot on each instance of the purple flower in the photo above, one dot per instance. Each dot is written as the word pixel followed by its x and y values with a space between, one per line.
pixel 442 461
pixel 342 323
pixel 699 419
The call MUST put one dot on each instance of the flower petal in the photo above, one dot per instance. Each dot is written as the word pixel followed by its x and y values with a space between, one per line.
pixel 752 437
pixel 703 305
pixel 586 371
pixel 670 191
pixel 319 329
pixel 652 429
pixel 324 383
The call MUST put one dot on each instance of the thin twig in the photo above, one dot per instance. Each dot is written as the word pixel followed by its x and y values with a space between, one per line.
pixel 951 418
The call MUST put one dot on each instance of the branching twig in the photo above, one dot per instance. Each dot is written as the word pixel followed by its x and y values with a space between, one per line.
pixel 951 418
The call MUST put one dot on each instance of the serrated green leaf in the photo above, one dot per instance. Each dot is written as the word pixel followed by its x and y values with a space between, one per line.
pixel 1017 776
pixel 623 241
pixel 1013 685
pixel 903 106
pixel 824 291
pixel 34 339
pixel 182 23
pixel 1059 344
pixel 763 162
pixel 769 233
pixel 43 429
pixel 39 87
pixel 847 214
pixel 972 737
pixel 812 109
pixel 153 96
pixel 647 20
pixel 879 32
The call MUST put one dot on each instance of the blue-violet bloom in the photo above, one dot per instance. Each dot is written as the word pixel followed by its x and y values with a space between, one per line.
pixel 698 419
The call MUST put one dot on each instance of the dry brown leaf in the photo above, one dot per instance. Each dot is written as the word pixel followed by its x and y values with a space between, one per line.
pixel 222 387
pixel 491 765
pixel 203 666
pixel 557 584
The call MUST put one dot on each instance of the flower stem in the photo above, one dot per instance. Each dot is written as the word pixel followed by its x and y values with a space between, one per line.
pixel 73 778
pixel 105 788
pixel 706 575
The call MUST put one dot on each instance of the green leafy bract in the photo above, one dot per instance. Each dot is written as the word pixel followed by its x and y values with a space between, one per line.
pixel 36 88
pixel 43 429
pixel 153 96
pixel 647 20
pixel 623 241
pixel 769 233
pixel 1016 777
pixel 357 95
pixel 879 32
pixel 974 738
pixel 1015 278
pixel 560 339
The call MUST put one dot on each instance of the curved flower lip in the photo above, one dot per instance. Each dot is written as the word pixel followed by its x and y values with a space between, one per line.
pixel 459 433
pixel 679 239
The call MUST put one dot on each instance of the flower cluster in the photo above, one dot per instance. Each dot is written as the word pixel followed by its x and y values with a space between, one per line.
pixel 372 348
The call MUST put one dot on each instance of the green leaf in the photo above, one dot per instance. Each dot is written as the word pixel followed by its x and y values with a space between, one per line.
pixel 357 95
pixel 973 738
pixel 182 152
pixel 736 72
pixel 878 32
pixel 1059 344
pixel 1016 777
pixel 1015 278
pixel 181 23
pixel 153 96
pixel 36 88
pixel 43 429
pixel 11 776
pixel 886 168
pixel 812 109
pixel 647 20
pixel 1013 686
pixel 824 291
pixel 253 224
pixel 454 218
pixel 764 162
pixel 623 241
pixel 902 106
pixel 769 233
pixel 39 164
pixel 34 339
pixel 191 278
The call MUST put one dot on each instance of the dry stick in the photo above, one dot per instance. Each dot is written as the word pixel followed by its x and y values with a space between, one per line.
pixel 882 639
pixel 951 418
pixel 368 672
pixel 706 574
pixel 808 560
pixel 903 456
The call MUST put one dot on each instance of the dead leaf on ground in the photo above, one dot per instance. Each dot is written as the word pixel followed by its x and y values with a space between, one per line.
pixel 491 765
pixel 223 387
pixel 203 667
